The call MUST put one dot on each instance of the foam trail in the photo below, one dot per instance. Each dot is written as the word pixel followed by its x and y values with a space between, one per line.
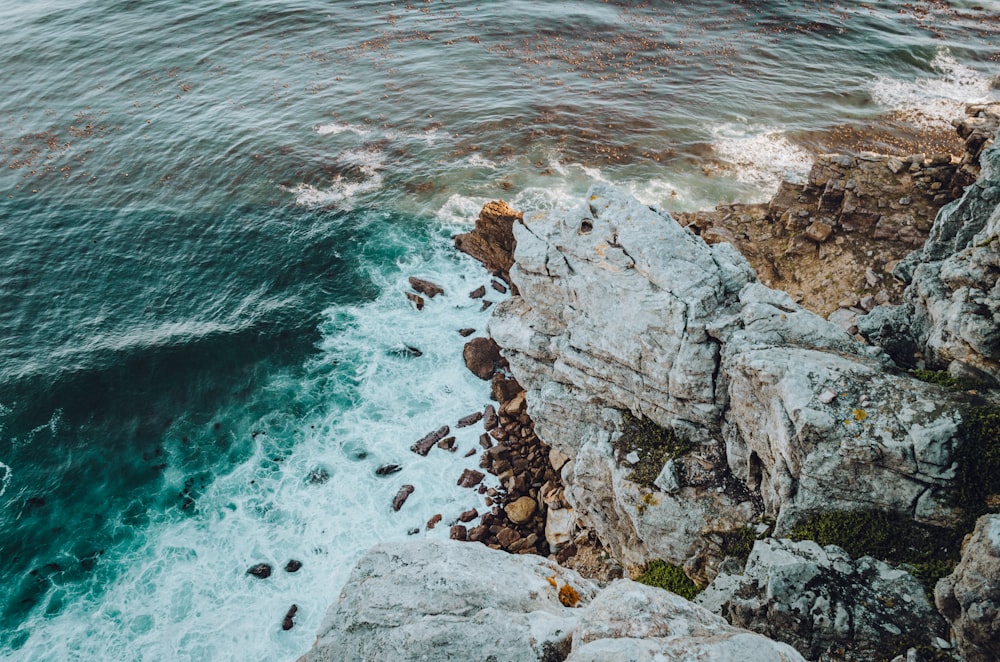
pixel 935 100
pixel 334 129
pixel 308 489
pixel 5 479
pixel 762 157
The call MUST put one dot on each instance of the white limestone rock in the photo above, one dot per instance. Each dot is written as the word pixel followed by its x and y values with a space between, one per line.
pixel 970 597
pixel 462 601
pixel 623 310
pixel 631 621
pixel 446 600
pixel 824 603
pixel 952 304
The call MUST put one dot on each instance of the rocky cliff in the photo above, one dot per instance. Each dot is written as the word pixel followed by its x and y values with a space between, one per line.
pixel 776 413
pixel 701 418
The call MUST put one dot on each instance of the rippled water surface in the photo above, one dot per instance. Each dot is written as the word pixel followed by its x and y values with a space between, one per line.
pixel 209 213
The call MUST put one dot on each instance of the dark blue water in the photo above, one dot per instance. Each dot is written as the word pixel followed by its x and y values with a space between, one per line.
pixel 208 216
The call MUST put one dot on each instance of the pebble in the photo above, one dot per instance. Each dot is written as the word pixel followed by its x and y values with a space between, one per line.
pixel 632 458
pixel 293 566
pixel 827 396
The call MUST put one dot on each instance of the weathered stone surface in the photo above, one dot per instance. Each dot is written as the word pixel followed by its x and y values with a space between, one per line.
pixel 492 240
pixel 884 442
pixel 694 344
pixel 443 601
pixel 825 604
pixel 631 621
pixel 449 600
pixel 951 309
pixel 481 357
pixel 970 597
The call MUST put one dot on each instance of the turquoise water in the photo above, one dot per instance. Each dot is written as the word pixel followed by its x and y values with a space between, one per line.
pixel 210 213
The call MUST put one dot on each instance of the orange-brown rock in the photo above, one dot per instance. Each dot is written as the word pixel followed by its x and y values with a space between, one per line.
pixel 492 240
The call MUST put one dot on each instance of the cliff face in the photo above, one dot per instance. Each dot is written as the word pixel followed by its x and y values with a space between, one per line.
pixel 622 314
pixel 951 312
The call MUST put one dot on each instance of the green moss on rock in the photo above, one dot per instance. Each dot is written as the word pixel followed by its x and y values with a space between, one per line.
pixel 977 484
pixel 931 552
pixel 655 446
pixel 670 577
pixel 945 379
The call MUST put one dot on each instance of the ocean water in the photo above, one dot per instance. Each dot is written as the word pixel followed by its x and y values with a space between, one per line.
pixel 208 214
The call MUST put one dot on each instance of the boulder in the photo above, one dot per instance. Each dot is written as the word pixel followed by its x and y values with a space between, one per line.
pixel 449 600
pixel 481 357
pixel 401 496
pixel 492 240
pixel 521 510
pixel 260 570
pixel 825 604
pixel 970 597
pixel 426 287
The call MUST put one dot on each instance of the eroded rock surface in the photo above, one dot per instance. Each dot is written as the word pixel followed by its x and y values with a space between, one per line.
pixel 951 309
pixel 784 412
pixel 970 597
pixel 453 601
pixel 492 240
pixel 824 603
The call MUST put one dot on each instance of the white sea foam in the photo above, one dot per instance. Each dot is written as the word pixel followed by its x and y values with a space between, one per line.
pixel 760 156
pixel 937 99
pixel 341 190
pixel 334 128
pixel 5 478
pixel 184 592
pixel 460 209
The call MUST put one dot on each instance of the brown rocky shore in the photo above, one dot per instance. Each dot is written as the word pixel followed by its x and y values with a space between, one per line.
pixel 723 403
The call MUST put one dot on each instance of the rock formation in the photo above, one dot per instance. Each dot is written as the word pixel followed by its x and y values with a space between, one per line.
pixel 453 601
pixel 824 603
pixel 783 413
pixel 492 241
pixel 970 597
pixel 951 311
pixel 832 241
